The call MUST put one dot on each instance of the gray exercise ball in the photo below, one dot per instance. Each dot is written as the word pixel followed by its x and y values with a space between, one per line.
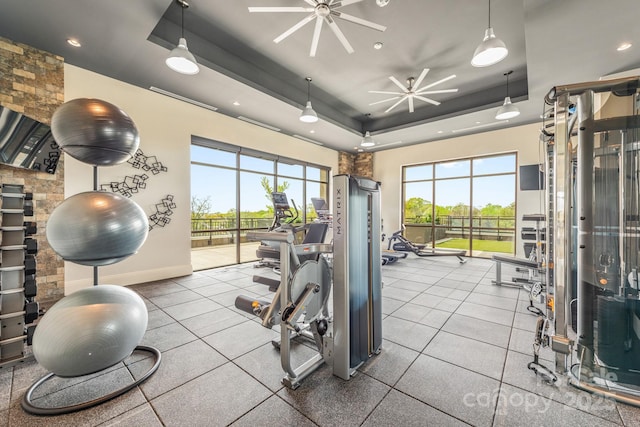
pixel 90 330
pixel 97 228
pixel 95 132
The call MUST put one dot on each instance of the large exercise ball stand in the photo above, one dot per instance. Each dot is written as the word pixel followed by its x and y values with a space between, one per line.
pixel 96 328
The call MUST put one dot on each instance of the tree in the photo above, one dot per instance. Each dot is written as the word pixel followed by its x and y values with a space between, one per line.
pixel 200 207
pixel 418 210
pixel 266 185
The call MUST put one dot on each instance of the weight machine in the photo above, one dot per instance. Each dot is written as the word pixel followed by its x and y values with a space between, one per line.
pixel 592 135
pixel 348 332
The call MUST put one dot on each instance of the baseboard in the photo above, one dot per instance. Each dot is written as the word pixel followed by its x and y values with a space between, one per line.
pixel 131 278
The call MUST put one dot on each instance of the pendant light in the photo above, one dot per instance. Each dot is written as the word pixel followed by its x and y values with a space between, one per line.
pixel 308 115
pixel 508 110
pixel 180 59
pixel 492 50
pixel 368 140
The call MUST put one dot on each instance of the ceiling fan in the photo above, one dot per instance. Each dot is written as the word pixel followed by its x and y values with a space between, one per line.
pixel 413 91
pixel 321 11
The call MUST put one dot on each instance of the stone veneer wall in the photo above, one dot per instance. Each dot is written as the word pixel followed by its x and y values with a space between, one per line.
pixel 360 164
pixel 32 83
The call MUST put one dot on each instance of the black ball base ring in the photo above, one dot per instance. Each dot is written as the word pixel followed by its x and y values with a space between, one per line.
pixel 29 407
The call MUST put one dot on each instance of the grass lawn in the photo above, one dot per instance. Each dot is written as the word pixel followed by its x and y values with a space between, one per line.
pixel 478 245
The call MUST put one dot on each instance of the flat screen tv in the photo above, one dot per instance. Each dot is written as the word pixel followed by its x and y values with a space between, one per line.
pixel 27 143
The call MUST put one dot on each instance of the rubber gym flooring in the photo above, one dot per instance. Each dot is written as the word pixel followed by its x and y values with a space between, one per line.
pixel 455 352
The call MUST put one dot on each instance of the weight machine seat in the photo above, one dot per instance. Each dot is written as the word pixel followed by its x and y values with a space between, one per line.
pixel 521 262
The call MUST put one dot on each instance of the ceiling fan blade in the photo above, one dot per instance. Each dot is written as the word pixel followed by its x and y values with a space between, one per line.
pixel 384 92
pixel 438 82
pixel 421 77
pixel 316 36
pixel 430 101
pixel 397 83
pixel 430 92
pixel 411 104
pixel 295 28
pixel 334 27
pixel 280 9
pixel 337 4
pixel 385 100
pixel 313 3
pixel 359 21
pixel 396 104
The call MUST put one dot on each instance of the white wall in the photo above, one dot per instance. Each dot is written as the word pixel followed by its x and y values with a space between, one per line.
pixel 387 168
pixel 165 126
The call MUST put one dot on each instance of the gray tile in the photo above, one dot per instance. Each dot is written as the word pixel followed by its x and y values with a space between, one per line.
pixel 481 330
pixel 435 318
pixel 215 289
pixel 410 285
pixel 6 377
pixel 421 314
pixel 483 312
pixel 492 301
pixel 228 299
pixel 499 291
pixel 398 409
pixel 230 275
pixel 264 364
pixel 474 355
pixel 341 402
pixel 525 322
pixel 389 305
pixel 158 318
pixel 273 411
pixel 174 298
pixel 515 405
pixel 522 341
pixel 399 294
pixel 179 365
pixel 240 339
pixel 216 398
pixel 192 308
pixel 155 289
pixel 4 418
pixel 196 281
pixel 141 416
pixel 24 375
pixel 630 414
pixel 446 387
pixel 434 301
pixel 212 322
pixel 168 336
pixel 408 334
pixel 88 417
pixel 390 364
pixel 440 291
pixel 517 374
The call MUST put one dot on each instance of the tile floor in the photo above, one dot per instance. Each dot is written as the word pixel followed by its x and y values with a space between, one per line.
pixel 455 352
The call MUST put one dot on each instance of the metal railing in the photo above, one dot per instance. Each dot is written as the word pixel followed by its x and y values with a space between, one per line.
pixel 218 231
pixel 490 227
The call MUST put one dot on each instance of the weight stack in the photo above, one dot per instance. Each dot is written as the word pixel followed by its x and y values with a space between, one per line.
pixel 18 247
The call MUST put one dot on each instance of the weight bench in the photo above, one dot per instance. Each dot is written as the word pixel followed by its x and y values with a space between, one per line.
pixel 531 266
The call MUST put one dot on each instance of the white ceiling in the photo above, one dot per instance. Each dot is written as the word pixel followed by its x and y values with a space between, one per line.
pixel 550 42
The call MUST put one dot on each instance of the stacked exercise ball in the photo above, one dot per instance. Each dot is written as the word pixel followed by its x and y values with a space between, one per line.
pixel 97 327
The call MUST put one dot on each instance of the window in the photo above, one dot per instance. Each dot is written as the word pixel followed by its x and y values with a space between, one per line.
pixel 231 195
pixel 464 204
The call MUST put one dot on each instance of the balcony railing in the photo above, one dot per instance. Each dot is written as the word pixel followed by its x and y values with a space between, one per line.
pixel 222 231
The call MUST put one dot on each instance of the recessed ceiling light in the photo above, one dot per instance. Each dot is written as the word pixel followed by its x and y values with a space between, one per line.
pixel 623 46
pixel 478 123
pixel 74 42
pixel 378 45
pixel 312 131
pixel 440 131
pixel 236 103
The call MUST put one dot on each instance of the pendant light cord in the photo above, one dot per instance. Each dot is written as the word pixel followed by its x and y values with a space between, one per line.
pixel 182 20
pixel 489 13
pixel 308 79
pixel 507 74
